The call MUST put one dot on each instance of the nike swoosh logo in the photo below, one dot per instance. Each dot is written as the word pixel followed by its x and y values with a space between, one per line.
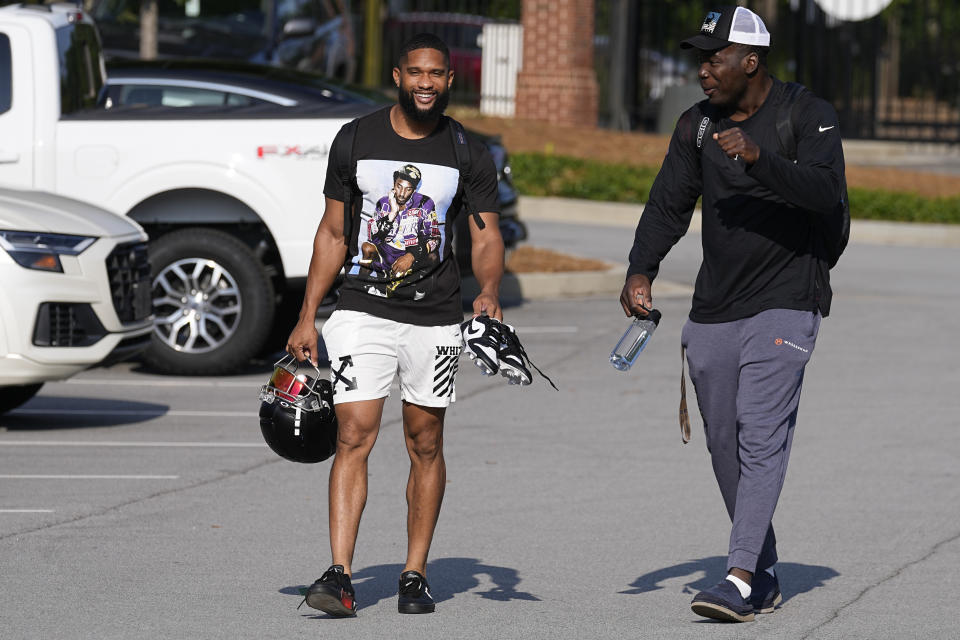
pixel 822 128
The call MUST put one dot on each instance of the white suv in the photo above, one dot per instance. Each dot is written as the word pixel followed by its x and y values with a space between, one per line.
pixel 74 291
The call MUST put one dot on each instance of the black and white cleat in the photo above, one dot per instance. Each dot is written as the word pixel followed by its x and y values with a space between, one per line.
pixel 481 341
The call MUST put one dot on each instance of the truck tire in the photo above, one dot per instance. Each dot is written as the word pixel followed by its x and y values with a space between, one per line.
pixel 13 397
pixel 213 301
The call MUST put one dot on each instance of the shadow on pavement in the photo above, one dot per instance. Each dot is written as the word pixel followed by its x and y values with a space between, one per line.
pixel 55 412
pixel 794 578
pixel 511 291
pixel 447 576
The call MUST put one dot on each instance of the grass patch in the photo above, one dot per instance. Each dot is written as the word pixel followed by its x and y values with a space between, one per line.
pixel 537 174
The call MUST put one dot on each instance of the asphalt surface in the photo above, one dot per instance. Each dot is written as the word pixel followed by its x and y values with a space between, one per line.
pixel 141 506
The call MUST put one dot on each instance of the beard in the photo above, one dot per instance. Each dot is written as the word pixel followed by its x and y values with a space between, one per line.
pixel 409 105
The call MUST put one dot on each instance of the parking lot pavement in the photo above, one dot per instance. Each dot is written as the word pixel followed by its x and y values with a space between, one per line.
pixel 141 506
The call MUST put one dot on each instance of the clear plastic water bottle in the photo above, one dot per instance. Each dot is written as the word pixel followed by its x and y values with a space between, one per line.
pixel 634 340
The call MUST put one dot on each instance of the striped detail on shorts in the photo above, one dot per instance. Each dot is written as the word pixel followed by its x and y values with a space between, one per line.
pixel 444 371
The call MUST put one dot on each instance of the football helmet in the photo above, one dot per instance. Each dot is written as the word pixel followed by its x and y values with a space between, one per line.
pixel 296 413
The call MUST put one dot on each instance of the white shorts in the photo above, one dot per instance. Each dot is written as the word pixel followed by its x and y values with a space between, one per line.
pixel 366 352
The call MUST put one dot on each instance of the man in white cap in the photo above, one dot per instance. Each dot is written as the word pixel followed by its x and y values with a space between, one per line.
pixel 766 157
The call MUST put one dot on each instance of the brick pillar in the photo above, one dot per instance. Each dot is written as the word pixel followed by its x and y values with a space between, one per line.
pixel 558 83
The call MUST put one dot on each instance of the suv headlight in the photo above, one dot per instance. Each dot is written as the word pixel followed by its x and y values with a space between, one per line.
pixel 42 251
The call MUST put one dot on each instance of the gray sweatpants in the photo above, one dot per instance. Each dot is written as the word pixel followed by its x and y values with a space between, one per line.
pixel 747 375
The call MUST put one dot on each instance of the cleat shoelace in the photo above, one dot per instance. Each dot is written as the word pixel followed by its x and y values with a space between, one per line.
pixel 513 347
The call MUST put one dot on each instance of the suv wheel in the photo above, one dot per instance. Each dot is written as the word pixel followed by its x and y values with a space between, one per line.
pixel 213 302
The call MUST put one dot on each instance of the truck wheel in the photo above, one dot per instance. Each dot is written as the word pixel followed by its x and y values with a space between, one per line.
pixel 213 302
pixel 13 397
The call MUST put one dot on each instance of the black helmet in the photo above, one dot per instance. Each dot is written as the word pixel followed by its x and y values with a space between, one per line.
pixel 296 414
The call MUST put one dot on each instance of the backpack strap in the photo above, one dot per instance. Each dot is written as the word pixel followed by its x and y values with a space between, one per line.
pixel 347 167
pixel 705 126
pixel 462 148
pixel 786 131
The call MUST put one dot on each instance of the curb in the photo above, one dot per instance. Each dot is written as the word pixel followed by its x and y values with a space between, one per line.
pixel 517 287
pixel 616 214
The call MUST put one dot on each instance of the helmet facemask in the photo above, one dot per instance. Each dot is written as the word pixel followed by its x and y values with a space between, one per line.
pixel 292 388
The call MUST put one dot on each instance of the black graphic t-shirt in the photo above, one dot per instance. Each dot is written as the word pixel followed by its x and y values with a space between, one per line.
pixel 402 268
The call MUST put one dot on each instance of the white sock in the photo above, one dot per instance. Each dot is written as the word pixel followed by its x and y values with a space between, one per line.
pixel 742 586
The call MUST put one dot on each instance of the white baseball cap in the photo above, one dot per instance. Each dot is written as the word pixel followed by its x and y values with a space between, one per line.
pixel 728 25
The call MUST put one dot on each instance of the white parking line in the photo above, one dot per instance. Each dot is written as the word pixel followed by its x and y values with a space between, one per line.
pixel 113 412
pixel 83 477
pixel 26 510
pixel 78 443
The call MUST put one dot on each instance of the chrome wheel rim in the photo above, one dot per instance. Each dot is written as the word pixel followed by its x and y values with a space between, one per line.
pixel 197 305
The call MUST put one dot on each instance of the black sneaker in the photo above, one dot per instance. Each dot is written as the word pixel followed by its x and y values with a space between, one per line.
pixel 481 341
pixel 333 593
pixel 765 592
pixel 722 602
pixel 414 594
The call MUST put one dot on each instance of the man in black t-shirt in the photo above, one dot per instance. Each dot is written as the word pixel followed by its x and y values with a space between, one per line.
pixel 763 285
pixel 399 309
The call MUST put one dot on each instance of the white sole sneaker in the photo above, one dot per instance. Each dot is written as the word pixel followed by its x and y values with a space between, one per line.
pixel 481 342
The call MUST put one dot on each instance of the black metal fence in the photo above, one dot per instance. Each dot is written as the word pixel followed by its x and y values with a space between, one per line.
pixel 895 76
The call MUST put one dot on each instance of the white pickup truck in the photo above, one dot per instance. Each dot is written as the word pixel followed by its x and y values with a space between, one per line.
pixel 230 197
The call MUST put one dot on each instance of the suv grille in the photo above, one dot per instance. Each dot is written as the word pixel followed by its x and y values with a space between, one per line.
pixel 128 269
pixel 65 324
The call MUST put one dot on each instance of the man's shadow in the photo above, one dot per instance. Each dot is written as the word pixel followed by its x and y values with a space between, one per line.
pixel 794 578
pixel 447 576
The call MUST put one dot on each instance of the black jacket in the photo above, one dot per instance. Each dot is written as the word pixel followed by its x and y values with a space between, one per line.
pixel 761 245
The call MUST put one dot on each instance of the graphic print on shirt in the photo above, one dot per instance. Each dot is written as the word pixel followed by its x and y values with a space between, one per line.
pixel 402 235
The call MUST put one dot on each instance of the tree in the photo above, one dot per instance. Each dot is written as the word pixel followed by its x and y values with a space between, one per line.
pixel 149 14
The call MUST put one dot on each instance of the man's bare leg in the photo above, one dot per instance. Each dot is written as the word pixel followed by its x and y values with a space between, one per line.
pixel 423 432
pixel 358 426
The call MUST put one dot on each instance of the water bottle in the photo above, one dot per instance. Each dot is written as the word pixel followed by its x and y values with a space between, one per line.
pixel 634 340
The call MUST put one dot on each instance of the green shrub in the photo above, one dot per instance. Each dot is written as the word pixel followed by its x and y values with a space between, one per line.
pixel 537 174
pixel 872 204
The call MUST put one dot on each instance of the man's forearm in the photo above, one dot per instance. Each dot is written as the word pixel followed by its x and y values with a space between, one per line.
pixel 487 259
pixel 815 188
pixel 329 253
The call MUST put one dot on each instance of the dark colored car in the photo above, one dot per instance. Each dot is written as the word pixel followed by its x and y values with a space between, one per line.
pixel 311 35
pixel 196 83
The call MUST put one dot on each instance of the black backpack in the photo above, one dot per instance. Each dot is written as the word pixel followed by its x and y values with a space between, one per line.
pixel 348 163
pixel 835 229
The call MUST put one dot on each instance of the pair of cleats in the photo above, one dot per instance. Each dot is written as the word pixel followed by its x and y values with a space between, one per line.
pixel 495 348
pixel 333 594
pixel 724 602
